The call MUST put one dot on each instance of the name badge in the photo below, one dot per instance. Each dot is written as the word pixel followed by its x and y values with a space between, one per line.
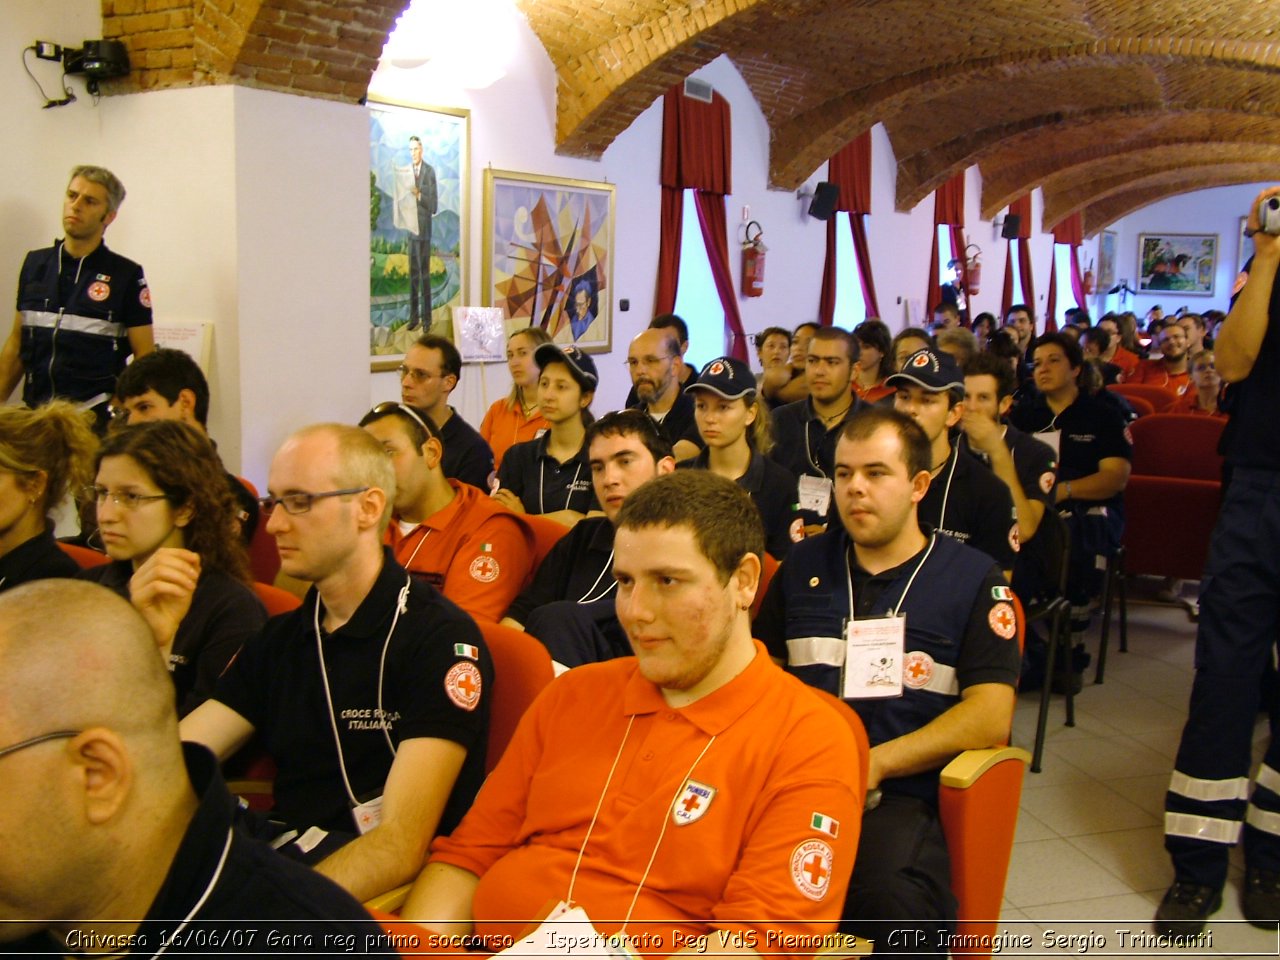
pixel 1053 438
pixel 874 651
pixel 814 494
pixel 568 930
pixel 367 815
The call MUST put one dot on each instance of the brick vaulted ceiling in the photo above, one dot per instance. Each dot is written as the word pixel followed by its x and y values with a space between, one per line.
pixel 1108 105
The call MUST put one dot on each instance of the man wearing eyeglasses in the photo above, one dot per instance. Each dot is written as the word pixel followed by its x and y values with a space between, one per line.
pixel 652 359
pixel 372 697
pixel 428 375
pixel 118 837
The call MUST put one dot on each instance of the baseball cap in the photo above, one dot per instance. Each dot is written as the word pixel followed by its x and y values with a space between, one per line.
pixel 580 364
pixel 729 378
pixel 935 370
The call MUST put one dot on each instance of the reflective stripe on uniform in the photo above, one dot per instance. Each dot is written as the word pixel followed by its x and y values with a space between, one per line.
pixel 1235 788
pixel 73 321
pixel 815 652
pixel 1263 820
pixel 1201 828
pixel 1268 779
pixel 943 680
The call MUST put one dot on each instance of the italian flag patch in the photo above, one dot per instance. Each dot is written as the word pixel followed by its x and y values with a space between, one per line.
pixel 486 547
pixel 1001 593
pixel 466 650
pixel 824 824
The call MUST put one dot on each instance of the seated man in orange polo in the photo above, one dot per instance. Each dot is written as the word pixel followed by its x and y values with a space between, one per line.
pixel 1169 370
pixel 693 790
pixel 1202 399
pixel 472 549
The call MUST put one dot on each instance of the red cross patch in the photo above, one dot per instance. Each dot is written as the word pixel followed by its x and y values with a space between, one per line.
pixel 1015 539
pixel 693 802
pixel 144 297
pixel 921 359
pixel 462 684
pixel 1047 480
pixel 99 291
pixel 797 530
pixel 811 864
pixel 485 568
pixel 917 669
pixel 716 369
pixel 1003 621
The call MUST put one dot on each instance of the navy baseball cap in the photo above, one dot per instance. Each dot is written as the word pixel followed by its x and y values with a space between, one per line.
pixel 580 364
pixel 729 378
pixel 935 370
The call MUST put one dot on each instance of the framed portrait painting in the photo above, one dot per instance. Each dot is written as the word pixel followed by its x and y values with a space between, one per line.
pixel 1106 261
pixel 1183 263
pixel 418 214
pixel 548 255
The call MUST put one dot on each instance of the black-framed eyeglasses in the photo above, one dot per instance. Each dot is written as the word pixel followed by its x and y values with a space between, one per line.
pixel 416 374
pixel 121 498
pixel 395 406
pixel 43 738
pixel 296 503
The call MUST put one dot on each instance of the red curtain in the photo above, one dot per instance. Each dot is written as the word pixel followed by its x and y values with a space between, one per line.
pixel 850 170
pixel 1071 232
pixel 696 154
pixel 948 208
pixel 1051 308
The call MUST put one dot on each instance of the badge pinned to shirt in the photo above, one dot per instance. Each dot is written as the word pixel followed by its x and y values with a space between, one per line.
pixel 814 494
pixel 873 658
pixel 694 800
pixel 99 291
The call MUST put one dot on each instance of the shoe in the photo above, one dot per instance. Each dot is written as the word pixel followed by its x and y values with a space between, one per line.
pixel 1260 900
pixel 1060 682
pixel 1185 908
pixel 412 324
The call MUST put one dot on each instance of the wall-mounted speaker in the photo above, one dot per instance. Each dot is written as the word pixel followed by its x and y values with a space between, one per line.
pixel 1011 224
pixel 825 197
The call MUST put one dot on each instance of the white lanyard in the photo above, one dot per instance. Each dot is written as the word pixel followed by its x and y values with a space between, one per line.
pixel 208 890
pixel 848 570
pixel 808 454
pixel 586 597
pixel 408 564
pixel 666 818
pixel 542 485
pixel 401 605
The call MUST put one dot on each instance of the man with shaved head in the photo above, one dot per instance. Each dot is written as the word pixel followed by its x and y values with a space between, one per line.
pixel 118 837
pixel 372 697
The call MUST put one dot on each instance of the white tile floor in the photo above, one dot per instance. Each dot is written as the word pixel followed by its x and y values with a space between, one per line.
pixel 1089 846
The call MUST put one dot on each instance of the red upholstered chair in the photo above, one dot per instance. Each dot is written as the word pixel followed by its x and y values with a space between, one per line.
pixel 276 601
pixel 1141 406
pixel 1178 445
pixel 1158 397
pixel 767 570
pixel 546 534
pixel 1155 546
pixel 83 556
pixel 264 558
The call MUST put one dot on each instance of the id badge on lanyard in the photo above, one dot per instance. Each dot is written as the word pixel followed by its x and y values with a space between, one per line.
pixel 367 815
pixel 1054 439
pixel 814 493
pixel 874 651
pixel 569 925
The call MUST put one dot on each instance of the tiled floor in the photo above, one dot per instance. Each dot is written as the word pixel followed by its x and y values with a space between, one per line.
pixel 1089 846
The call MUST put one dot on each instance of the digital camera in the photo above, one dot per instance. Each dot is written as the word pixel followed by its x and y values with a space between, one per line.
pixel 1269 215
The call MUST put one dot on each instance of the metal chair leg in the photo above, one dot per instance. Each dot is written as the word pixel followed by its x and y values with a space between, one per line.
pixel 1046 691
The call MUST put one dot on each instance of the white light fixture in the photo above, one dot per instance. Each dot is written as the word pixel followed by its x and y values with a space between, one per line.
pixel 466 45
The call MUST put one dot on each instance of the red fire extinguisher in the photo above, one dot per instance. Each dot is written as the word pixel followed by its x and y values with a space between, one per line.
pixel 973 269
pixel 1087 281
pixel 753 251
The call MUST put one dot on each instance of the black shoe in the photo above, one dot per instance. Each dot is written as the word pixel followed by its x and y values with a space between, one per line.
pixel 413 324
pixel 1186 907
pixel 1260 901
pixel 1060 682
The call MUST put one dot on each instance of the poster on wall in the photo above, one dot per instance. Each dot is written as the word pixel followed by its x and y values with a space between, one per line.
pixel 1106 261
pixel 418 211
pixel 548 255
pixel 1179 262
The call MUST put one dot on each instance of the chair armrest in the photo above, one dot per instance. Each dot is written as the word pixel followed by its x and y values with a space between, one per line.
pixel 962 772
pixel 389 902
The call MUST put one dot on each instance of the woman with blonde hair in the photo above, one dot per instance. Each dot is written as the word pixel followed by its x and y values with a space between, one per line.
pixel 516 417
pixel 162 498
pixel 734 425
pixel 43 453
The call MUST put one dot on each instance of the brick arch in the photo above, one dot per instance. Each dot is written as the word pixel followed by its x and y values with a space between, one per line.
pixel 1103 212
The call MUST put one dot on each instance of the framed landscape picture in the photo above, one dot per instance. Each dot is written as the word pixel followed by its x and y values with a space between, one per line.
pixel 1183 263
pixel 418 214
pixel 548 255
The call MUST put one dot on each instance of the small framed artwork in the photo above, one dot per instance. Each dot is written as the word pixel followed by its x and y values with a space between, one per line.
pixel 1106 261
pixel 1245 248
pixel 418 212
pixel 1184 263
pixel 548 255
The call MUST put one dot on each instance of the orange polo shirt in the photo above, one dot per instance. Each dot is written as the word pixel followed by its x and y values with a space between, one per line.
pixel 475 551
pixel 1189 403
pixel 760 830
pixel 877 391
pixel 1125 359
pixel 1153 373
pixel 506 425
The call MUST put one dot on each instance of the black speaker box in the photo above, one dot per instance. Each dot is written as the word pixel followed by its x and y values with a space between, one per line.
pixel 825 197
pixel 1010 229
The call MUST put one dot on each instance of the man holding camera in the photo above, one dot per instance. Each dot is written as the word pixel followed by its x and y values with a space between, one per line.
pixel 1206 808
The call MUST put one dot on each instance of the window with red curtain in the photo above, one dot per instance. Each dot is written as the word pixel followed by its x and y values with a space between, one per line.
pixel 1020 208
pixel 1070 233
pixel 948 210
pixel 696 155
pixel 850 170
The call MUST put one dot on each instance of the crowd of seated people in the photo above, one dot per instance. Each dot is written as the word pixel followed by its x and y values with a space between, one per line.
pixel 854 456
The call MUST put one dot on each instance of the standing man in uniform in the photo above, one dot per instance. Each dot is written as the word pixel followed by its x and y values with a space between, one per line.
pixel 428 375
pixel 1205 808
pixel 81 308
pixel 424 191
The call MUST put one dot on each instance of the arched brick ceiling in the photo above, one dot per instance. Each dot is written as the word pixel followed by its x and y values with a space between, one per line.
pixel 1036 92
pixel 1107 210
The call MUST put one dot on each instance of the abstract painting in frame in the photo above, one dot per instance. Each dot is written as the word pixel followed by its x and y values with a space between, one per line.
pixel 548 255
pixel 1184 263
pixel 418 213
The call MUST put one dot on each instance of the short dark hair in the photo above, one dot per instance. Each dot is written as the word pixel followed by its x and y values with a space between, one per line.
pixel 768 332
pixel 1075 356
pixel 725 523
pixel 450 358
pixel 1098 335
pixel 808 323
pixel 988 364
pixel 1019 307
pixel 669 321
pixel 949 308
pixel 907 333
pixel 632 423
pixel 415 420
pixel 875 334
pixel 1004 344
pixel 167 372
pixel 840 335
pixel 917 452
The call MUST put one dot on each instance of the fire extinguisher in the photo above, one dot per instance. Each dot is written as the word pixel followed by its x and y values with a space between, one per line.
pixel 753 251
pixel 973 269
pixel 1087 281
